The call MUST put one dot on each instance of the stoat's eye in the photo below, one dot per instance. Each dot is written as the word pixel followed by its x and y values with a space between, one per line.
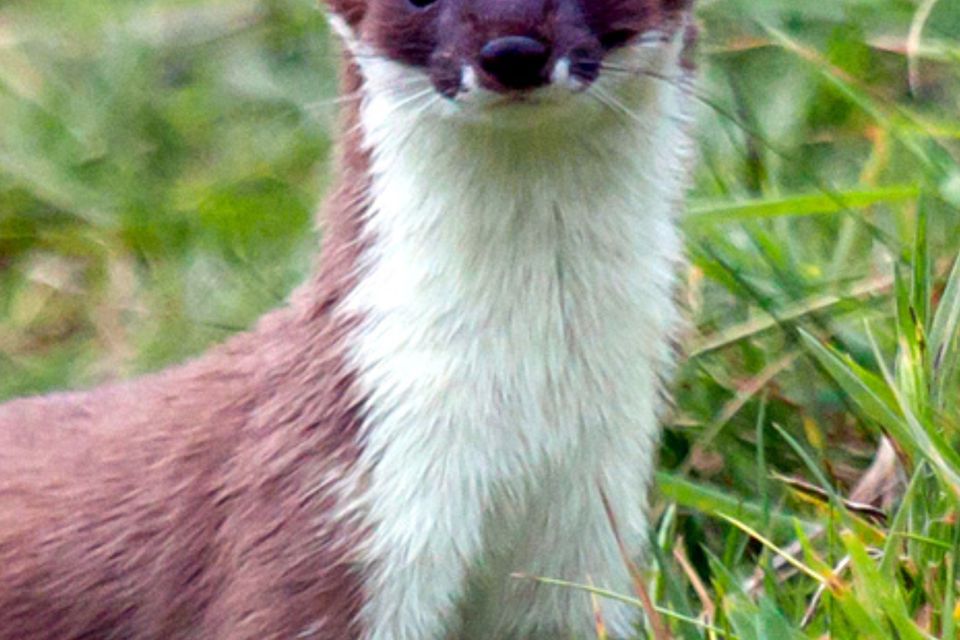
pixel 422 4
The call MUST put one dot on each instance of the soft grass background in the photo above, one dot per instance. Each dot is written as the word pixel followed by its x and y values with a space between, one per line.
pixel 159 166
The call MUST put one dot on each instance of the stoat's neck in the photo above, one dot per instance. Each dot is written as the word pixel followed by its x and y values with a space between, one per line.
pixel 511 309
pixel 477 214
pixel 512 243
pixel 475 199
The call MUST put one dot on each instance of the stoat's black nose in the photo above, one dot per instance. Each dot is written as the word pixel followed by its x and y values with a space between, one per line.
pixel 516 62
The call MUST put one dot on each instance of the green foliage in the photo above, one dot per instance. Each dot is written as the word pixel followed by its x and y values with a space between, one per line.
pixel 160 162
pixel 159 167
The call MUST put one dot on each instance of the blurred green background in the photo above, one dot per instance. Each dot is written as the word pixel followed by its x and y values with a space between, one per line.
pixel 161 162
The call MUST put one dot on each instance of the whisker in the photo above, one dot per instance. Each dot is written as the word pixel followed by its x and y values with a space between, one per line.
pixel 336 101
pixel 612 103
pixel 405 102
pixel 687 85
pixel 399 87
pixel 414 131
pixel 678 80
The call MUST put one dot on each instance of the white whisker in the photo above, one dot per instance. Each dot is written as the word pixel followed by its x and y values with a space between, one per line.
pixel 612 102
pixel 403 102
pixel 398 88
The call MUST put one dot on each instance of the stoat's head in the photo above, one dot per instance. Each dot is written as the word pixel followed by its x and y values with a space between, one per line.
pixel 488 58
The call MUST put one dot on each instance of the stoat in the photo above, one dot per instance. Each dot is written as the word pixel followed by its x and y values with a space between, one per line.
pixel 473 371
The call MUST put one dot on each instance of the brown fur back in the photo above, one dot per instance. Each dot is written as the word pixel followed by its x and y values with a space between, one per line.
pixel 198 503
pixel 192 504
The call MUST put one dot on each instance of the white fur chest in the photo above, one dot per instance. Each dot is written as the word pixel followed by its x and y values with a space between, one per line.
pixel 517 309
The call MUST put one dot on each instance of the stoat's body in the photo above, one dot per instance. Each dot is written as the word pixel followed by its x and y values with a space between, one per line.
pixel 475 367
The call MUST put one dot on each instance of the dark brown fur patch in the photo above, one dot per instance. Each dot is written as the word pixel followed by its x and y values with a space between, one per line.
pixel 448 34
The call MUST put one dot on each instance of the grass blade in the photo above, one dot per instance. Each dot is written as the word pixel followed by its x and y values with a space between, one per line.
pixel 797 205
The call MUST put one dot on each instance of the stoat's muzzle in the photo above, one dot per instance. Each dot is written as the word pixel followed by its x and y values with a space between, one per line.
pixel 508 47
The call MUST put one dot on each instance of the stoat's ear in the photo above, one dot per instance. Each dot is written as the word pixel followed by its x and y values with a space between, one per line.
pixel 352 11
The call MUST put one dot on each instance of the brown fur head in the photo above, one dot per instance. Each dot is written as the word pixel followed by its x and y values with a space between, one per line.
pixel 443 37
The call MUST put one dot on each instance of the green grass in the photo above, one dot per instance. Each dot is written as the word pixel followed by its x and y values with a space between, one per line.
pixel 160 162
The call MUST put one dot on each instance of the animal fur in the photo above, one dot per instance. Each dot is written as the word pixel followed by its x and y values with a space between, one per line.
pixel 477 359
